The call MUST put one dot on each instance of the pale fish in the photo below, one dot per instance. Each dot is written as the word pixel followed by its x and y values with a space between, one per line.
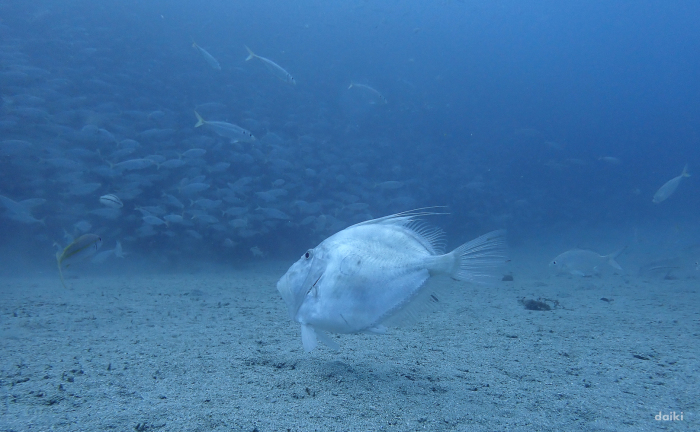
pixel 102 256
pixel 227 130
pixel 273 67
pixel 133 164
pixel 80 249
pixel 580 262
pixel 373 274
pixel 20 211
pixel 373 94
pixel 669 187
pixel 111 201
pixel 208 57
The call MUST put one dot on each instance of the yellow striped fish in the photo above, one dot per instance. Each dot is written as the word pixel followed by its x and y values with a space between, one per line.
pixel 82 248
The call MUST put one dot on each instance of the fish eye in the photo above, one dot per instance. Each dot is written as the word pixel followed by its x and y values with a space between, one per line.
pixel 308 254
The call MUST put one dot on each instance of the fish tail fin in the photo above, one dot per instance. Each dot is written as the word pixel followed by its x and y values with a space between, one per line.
pixel 612 256
pixel 308 337
pixel 200 120
pixel 685 172
pixel 251 54
pixel 480 259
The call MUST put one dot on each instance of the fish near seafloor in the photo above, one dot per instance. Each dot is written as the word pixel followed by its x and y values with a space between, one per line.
pixel 373 273
pixel 580 262
pixel 669 187
pixel 82 248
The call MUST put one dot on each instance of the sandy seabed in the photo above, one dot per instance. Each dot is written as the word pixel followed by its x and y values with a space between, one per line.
pixel 215 351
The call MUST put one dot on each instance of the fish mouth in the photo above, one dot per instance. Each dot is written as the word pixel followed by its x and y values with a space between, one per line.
pixel 293 292
pixel 314 285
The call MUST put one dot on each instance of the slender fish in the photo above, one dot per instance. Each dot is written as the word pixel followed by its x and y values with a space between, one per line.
pixel 273 67
pixel 227 130
pixel 208 57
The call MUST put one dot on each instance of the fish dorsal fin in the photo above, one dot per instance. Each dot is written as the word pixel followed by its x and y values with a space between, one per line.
pixel 432 238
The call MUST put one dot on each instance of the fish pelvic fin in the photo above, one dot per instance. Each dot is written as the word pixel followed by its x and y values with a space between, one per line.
pixel 327 341
pixel 251 54
pixel 685 172
pixel 60 271
pixel 200 120
pixel 480 259
pixel 308 337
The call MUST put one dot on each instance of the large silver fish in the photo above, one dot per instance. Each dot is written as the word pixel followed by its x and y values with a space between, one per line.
pixel 361 278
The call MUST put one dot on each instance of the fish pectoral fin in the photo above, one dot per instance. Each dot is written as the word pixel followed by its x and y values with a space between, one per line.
pixel 308 337
pixel 327 341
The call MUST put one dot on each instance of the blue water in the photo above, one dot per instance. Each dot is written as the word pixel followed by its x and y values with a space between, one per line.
pixel 499 111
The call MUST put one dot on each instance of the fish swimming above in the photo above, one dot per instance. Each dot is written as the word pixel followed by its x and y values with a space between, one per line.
pixel 580 262
pixel 82 248
pixel 226 130
pixel 20 211
pixel 111 201
pixel 208 57
pixel 273 67
pixel 669 187
pixel 372 274
pixel 375 96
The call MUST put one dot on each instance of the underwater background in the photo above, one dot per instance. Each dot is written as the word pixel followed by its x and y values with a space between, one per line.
pixel 557 121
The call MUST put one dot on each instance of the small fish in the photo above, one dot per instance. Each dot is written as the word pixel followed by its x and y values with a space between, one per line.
pixel 153 220
pixel 372 274
pixel 111 201
pixel 133 164
pixel 610 160
pixel 208 57
pixel 373 93
pixel 389 185
pixel 194 153
pixel 227 130
pixel 102 256
pixel 80 249
pixel 580 262
pixel 669 187
pixel 273 67
pixel 193 188
pixel 19 211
